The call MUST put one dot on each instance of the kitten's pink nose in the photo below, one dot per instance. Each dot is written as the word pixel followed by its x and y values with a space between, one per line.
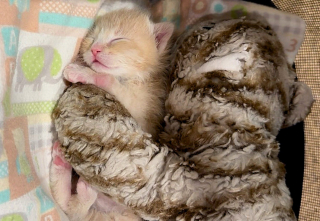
pixel 96 49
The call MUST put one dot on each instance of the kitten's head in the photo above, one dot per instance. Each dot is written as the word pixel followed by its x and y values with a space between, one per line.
pixel 125 43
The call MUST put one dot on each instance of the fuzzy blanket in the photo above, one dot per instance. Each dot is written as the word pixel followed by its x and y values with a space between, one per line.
pixel 38 38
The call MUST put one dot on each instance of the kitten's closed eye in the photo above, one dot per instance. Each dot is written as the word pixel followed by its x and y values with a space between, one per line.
pixel 117 39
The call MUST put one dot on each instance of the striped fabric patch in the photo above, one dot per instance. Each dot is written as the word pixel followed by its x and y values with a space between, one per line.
pixel 72 9
pixel 23 109
pixel 4 196
pixel 4 169
pixel 64 20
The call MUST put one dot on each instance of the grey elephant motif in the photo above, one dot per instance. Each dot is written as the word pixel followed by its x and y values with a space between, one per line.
pixel 36 65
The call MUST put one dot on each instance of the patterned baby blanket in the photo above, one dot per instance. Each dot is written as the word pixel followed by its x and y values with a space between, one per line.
pixel 37 39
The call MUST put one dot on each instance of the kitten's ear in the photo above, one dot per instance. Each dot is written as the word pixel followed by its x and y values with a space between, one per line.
pixel 163 32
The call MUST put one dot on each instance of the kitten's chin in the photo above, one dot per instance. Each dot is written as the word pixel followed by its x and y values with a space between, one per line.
pixel 99 67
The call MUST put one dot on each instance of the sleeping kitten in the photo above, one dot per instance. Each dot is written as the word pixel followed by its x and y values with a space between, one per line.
pixel 123 54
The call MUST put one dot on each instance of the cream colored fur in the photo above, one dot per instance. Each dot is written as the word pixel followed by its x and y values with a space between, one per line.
pixel 130 63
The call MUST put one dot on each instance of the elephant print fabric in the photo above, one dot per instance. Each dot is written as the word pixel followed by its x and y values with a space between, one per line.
pixel 37 40
pixel 37 78
pixel 37 65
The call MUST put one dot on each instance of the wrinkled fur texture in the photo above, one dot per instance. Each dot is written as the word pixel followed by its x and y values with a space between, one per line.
pixel 232 91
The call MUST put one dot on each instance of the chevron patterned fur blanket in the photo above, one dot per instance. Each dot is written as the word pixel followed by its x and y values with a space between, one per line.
pixel 232 90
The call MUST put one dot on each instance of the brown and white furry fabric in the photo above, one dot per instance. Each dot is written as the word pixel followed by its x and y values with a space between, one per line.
pixel 232 91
